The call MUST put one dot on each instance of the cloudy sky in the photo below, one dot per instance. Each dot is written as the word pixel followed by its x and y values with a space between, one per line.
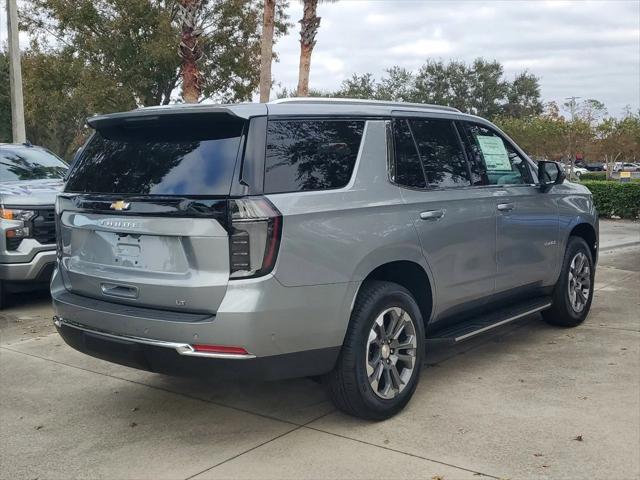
pixel 589 49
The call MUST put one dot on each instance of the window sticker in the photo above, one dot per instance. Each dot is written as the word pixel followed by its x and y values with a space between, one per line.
pixel 495 155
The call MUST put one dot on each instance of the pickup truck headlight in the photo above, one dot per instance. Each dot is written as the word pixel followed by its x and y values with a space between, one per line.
pixel 17 214
pixel 14 235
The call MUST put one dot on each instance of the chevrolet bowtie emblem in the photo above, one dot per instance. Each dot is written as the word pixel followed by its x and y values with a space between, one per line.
pixel 120 205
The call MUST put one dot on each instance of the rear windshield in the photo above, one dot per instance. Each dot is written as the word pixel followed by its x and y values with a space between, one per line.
pixel 26 163
pixel 193 155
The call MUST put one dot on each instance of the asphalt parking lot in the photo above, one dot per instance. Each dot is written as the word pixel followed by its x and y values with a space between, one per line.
pixel 527 401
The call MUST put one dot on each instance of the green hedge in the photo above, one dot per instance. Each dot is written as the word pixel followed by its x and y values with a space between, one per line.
pixel 615 198
pixel 594 176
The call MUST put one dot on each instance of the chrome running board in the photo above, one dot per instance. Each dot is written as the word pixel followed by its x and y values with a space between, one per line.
pixel 477 325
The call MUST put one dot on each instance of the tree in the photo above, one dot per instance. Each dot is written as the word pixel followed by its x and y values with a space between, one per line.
pixel 487 88
pixel 358 86
pixel 398 84
pixel 543 137
pixel 523 96
pixel 591 111
pixel 5 99
pixel 618 139
pixel 435 80
pixel 189 49
pixel 477 88
pixel 60 92
pixel 308 30
pixel 102 56
pixel 266 53
pixel 133 43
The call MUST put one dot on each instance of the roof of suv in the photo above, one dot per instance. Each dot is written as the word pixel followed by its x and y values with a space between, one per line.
pixel 290 106
pixel 353 102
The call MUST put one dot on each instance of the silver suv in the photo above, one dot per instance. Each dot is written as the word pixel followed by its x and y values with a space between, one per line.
pixel 312 238
pixel 30 178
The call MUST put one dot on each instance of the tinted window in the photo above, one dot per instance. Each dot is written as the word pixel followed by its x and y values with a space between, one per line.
pixel 409 171
pixel 493 160
pixel 310 154
pixel 194 155
pixel 26 163
pixel 440 152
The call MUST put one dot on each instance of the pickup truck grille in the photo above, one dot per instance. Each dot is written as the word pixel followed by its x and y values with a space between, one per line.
pixel 44 226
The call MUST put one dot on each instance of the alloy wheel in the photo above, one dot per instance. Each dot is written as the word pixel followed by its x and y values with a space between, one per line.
pixel 579 285
pixel 391 352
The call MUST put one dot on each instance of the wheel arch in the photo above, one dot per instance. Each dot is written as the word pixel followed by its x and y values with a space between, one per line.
pixel 588 233
pixel 412 276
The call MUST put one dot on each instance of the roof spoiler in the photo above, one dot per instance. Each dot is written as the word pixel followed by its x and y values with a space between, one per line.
pixel 238 112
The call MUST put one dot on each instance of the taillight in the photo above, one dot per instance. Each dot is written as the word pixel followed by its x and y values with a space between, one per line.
pixel 256 228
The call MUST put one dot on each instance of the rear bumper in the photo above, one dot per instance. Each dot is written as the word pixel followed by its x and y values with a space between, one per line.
pixel 39 269
pixel 158 358
pixel 290 331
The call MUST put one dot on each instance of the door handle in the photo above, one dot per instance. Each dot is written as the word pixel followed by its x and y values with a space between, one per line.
pixel 432 214
pixel 505 207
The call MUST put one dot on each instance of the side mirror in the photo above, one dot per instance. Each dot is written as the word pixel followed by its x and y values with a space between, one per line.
pixel 550 173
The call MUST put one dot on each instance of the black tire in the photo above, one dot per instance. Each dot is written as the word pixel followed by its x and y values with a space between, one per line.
pixel 348 383
pixel 562 313
pixel 2 295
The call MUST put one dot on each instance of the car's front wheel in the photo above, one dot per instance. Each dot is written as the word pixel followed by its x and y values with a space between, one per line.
pixel 381 358
pixel 573 293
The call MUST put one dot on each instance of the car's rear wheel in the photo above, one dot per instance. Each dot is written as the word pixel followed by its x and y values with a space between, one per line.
pixel 573 293
pixel 380 362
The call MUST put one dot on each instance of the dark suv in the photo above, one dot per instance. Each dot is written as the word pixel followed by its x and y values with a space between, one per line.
pixel 312 237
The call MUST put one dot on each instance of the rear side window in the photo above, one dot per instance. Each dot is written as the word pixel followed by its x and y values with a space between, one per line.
pixel 429 154
pixel 310 154
pixel 440 152
pixel 184 156
pixel 409 170
pixel 493 160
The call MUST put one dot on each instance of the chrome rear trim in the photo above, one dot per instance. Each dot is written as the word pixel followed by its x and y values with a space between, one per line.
pixel 181 348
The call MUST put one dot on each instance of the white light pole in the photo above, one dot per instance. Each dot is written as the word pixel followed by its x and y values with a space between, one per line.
pixel 15 74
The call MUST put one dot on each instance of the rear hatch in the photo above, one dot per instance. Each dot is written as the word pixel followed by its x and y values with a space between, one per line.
pixel 144 216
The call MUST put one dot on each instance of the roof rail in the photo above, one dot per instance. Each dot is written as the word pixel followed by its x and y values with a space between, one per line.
pixel 357 101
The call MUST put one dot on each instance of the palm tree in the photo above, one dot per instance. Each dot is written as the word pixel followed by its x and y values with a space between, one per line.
pixel 266 54
pixel 190 50
pixel 309 29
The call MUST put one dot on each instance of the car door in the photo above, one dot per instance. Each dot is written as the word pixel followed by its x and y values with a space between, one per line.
pixel 455 222
pixel 527 217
